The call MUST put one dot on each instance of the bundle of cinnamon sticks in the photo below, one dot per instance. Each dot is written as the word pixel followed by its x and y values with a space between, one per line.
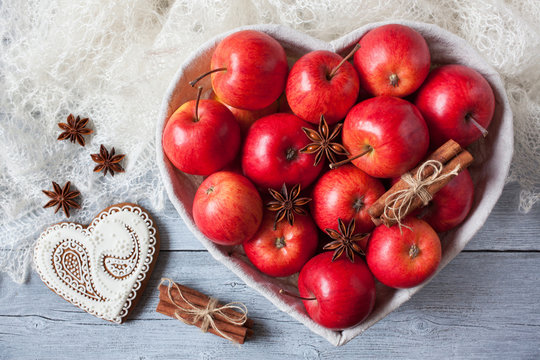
pixel 453 159
pixel 189 299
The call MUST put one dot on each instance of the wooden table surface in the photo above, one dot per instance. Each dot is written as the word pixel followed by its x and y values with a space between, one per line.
pixel 485 304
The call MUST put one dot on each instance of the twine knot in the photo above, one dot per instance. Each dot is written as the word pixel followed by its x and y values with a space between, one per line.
pixel 398 204
pixel 206 315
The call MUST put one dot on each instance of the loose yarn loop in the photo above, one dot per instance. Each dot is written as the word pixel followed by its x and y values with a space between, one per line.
pixel 206 314
pixel 397 205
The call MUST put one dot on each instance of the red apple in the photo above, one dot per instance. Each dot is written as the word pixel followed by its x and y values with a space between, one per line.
pixel 227 208
pixel 337 294
pixel 346 193
pixel 271 156
pixel 457 103
pixel 283 251
pixel 389 131
pixel 246 118
pixel 406 258
pixel 249 70
pixel 392 60
pixel 450 205
pixel 322 83
pixel 201 140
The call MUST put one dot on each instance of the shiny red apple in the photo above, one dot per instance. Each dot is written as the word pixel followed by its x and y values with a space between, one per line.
pixel 201 139
pixel 457 103
pixel 404 258
pixel 392 60
pixel 227 208
pixel 346 193
pixel 249 70
pixel 271 157
pixel 390 133
pixel 450 205
pixel 337 294
pixel 322 83
pixel 284 250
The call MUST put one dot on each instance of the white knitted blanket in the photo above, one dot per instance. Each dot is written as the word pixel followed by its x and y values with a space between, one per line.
pixel 112 61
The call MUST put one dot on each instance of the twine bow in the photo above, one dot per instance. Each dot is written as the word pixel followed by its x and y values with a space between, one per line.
pixel 206 314
pixel 398 204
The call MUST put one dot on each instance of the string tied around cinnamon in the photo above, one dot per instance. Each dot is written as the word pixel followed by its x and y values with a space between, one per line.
pixel 398 204
pixel 206 314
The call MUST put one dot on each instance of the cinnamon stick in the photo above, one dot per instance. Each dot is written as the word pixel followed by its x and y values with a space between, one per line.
pixel 220 321
pixel 196 298
pixel 221 324
pixel 463 160
pixel 166 308
pixel 185 302
pixel 443 154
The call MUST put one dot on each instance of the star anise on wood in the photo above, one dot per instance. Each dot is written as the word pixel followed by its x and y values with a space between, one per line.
pixel 322 142
pixel 287 203
pixel 74 129
pixel 345 241
pixel 108 162
pixel 62 198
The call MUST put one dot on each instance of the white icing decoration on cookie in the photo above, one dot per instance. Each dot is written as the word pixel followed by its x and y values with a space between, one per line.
pixel 100 268
pixel 122 267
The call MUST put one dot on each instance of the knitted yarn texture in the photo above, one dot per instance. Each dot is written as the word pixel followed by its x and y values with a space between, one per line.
pixel 111 61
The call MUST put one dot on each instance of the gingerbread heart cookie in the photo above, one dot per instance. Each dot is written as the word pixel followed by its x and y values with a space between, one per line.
pixel 102 268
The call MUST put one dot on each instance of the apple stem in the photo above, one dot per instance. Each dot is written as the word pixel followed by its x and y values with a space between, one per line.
pixel 193 82
pixel 285 292
pixel 414 251
pixel 367 149
pixel 334 71
pixel 394 80
pixel 358 203
pixel 199 92
pixel 478 126
pixel 291 153
pixel 280 242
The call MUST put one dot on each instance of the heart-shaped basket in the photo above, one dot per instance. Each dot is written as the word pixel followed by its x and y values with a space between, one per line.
pixel 492 161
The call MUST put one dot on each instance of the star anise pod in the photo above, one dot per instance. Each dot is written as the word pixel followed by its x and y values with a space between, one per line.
pixel 62 198
pixel 107 161
pixel 287 203
pixel 345 241
pixel 74 129
pixel 322 142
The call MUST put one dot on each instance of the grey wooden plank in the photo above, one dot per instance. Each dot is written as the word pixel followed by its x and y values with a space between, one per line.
pixel 173 232
pixel 505 229
pixel 483 305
